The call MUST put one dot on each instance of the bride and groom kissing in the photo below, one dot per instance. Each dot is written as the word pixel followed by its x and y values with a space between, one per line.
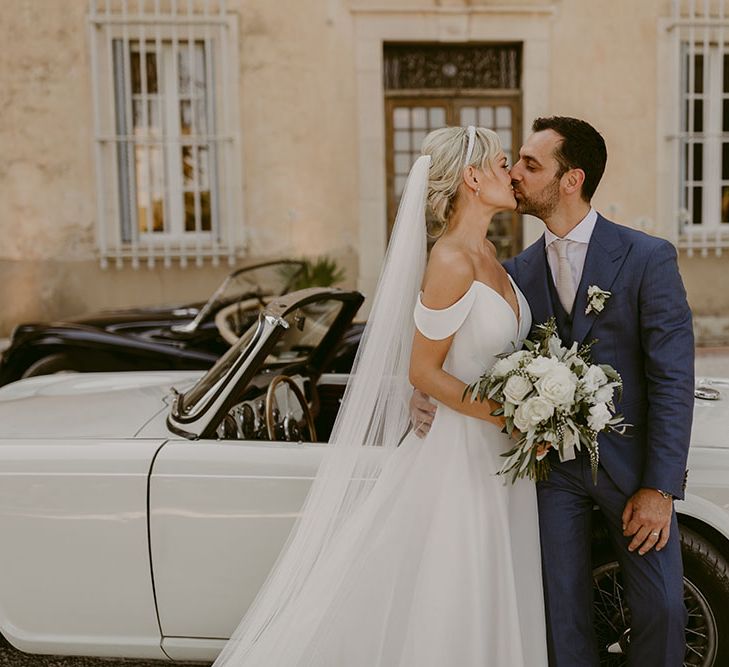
pixel 411 550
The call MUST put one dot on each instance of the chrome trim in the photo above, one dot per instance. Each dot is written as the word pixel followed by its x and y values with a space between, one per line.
pixel 707 393
pixel 274 320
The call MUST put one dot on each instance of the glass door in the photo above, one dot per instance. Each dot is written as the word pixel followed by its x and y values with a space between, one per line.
pixel 410 118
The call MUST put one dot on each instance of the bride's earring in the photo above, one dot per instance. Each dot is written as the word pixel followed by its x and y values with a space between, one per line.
pixel 478 192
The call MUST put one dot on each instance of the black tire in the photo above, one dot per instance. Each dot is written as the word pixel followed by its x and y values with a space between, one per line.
pixel 708 570
pixel 53 363
pixel 706 593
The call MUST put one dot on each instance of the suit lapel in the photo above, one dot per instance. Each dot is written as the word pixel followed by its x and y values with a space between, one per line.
pixel 605 255
pixel 531 277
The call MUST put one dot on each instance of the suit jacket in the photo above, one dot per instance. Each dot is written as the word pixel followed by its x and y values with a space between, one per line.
pixel 645 332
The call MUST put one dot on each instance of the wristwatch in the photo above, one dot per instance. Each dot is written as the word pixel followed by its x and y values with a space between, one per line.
pixel 666 495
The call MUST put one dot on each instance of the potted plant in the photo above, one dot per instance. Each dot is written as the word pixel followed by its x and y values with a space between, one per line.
pixel 322 271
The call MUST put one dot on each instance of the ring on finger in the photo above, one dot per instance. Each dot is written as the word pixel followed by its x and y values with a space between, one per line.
pixel 655 534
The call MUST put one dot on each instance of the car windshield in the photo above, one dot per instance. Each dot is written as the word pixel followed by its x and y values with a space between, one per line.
pixel 307 326
pixel 264 279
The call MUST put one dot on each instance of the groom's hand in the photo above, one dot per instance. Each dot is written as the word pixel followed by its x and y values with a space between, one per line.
pixel 422 412
pixel 647 517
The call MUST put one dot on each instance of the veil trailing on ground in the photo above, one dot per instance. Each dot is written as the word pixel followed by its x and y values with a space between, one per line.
pixel 372 420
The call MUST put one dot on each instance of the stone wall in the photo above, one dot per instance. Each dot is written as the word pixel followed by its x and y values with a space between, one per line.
pixel 297 141
pixel 310 130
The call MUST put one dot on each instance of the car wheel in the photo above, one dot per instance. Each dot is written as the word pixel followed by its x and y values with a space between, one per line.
pixel 706 594
pixel 53 363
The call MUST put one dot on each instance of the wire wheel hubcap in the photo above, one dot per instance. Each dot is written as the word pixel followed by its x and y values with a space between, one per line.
pixel 612 620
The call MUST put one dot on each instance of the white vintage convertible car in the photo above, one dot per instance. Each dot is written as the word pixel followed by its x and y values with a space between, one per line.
pixel 141 511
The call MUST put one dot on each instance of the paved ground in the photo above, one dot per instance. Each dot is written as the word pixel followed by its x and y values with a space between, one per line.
pixel 9 657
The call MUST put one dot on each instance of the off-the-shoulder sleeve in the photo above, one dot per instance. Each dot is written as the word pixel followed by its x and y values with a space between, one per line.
pixel 439 324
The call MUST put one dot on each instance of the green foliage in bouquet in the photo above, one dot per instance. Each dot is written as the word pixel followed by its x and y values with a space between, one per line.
pixel 552 396
pixel 321 271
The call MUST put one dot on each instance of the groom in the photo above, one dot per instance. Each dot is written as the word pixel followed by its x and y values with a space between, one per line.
pixel 645 332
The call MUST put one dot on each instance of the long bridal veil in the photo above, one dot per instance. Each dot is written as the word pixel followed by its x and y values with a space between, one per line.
pixel 371 422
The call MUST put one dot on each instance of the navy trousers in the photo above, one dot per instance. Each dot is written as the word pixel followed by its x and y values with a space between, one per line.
pixel 653 582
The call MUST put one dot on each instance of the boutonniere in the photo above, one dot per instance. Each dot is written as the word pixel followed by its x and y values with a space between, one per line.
pixel 596 299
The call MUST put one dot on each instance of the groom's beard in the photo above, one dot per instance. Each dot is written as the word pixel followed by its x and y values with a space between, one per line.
pixel 541 205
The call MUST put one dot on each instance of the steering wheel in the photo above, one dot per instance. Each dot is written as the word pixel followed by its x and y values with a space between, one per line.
pixel 293 427
pixel 225 317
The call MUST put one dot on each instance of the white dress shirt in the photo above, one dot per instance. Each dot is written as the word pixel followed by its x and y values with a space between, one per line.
pixel 579 239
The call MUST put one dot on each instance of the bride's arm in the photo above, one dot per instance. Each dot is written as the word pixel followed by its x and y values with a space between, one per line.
pixel 448 278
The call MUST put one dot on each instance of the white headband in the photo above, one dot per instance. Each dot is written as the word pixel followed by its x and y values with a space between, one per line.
pixel 471 138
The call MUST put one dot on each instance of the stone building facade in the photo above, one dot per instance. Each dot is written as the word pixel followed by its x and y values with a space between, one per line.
pixel 148 145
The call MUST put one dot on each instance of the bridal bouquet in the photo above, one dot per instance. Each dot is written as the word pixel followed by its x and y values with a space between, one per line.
pixel 555 397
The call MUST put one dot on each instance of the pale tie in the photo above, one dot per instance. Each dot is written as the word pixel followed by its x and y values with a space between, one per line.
pixel 565 283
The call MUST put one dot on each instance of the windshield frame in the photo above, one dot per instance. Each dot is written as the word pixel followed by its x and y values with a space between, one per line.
pixel 193 421
pixel 208 308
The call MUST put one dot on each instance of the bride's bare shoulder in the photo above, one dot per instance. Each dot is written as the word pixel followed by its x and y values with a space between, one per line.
pixel 448 276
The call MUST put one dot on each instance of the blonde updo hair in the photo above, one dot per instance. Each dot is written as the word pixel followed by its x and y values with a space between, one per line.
pixel 447 149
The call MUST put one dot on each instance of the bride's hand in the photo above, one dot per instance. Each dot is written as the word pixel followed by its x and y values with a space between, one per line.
pixel 543 449
pixel 500 421
pixel 422 413
pixel 496 420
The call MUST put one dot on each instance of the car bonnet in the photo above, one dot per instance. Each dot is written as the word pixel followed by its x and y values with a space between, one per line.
pixel 86 405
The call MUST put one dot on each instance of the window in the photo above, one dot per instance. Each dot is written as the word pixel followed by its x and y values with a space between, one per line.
pixel 705 124
pixel 703 132
pixel 171 189
pixel 166 146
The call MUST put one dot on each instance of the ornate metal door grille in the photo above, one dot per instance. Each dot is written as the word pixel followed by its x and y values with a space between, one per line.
pixel 452 67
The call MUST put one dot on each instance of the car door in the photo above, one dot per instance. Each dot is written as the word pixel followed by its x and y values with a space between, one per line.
pixel 74 563
pixel 220 511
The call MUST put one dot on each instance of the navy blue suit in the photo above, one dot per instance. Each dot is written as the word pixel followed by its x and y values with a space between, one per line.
pixel 645 332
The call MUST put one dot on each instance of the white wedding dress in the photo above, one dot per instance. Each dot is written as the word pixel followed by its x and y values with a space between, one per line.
pixel 440 565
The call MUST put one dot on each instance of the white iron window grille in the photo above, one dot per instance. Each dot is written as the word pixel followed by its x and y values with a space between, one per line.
pixel 701 37
pixel 167 149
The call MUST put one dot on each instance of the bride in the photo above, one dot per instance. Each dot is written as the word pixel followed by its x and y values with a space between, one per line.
pixel 412 552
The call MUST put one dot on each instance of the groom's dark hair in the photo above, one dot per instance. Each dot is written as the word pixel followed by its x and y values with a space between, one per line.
pixel 582 148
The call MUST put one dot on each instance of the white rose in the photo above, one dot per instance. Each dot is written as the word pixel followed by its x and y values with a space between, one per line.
pixel 558 386
pixel 555 347
pixel 596 299
pixel 519 356
pixel 604 393
pixel 503 367
pixel 599 417
pixel 598 302
pixel 516 389
pixel 594 379
pixel 530 413
pixel 541 366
